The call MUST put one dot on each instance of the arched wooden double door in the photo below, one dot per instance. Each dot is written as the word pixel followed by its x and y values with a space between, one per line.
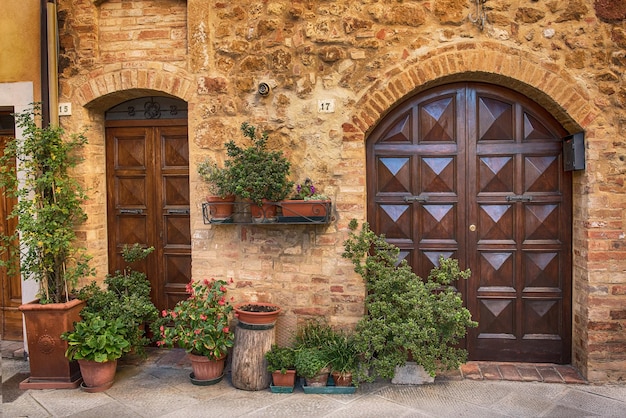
pixel 147 154
pixel 474 172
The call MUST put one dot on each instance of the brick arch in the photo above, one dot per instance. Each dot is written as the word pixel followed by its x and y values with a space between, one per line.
pixel 546 83
pixel 104 90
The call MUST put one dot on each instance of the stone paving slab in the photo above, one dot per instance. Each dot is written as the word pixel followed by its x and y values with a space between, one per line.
pixel 160 387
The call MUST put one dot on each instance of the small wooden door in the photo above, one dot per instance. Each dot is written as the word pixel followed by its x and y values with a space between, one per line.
pixel 11 292
pixel 148 201
pixel 474 172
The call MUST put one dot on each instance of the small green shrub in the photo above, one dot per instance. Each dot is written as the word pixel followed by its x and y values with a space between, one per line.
pixel 97 339
pixel 310 361
pixel 280 358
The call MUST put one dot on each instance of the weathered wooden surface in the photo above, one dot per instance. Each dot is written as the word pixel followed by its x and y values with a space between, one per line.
pixel 249 367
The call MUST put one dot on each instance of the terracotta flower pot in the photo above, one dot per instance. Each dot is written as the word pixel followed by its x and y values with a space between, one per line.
pixel 304 208
pixel 97 377
pixel 342 379
pixel 49 368
pixel 206 369
pixel 220 208
pixel 319 380
pixel 257 313
pixel 285 380
pixel 264 213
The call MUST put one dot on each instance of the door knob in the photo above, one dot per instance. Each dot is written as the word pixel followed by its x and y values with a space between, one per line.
pixel 472 227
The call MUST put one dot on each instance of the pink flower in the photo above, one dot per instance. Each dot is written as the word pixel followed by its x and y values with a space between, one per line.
pixel 206 282
pixel 164 313
pixel 162 328
pixel 174 315
pixel 222 301
pixel 196 331
pixel 203 317
pixel 222 288
pixel 226 329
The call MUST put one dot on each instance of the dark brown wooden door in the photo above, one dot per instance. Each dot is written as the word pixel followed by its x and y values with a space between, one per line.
pixel 474 172
pixel 11 292
pixel 148 202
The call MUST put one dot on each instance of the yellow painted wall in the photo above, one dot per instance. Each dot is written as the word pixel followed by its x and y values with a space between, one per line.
pixel 19 43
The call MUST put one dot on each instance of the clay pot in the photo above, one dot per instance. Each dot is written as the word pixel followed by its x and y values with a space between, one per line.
pixel 97 377
pixel 284 380
pixel 206 369
pixel 305 208
pixel 257 313
pixel 342 379
pixel 220 208
pixel 319 380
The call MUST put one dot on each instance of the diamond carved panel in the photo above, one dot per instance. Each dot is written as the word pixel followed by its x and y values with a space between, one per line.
pixel 541 222
pixel 400 131
pixel 438 175
pixel 496 317
pixel 438 222
pixel 541 269
pixel 176 190
pixel 396 221
pixel 437 120
pixel 394 175
pixel 131 153
pixel 541 319
pixel 496 270
pixel 495 222
pixel 541 174
pixel 535 130
pixel 131 191
pixel 494 120
pixel 495 174
pixel 131 229
pixel 176 151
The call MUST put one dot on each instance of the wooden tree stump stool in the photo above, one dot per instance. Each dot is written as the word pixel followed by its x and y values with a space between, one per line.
pixel 249 366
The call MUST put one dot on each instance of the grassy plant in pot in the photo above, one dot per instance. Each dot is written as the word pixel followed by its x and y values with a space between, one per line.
pixel 405 314
pixel 127 296
pixel 312 364
pixel 258 174
pixel 221 195
pixel 343 358
pixel 281 362
pixel 97 344
pixel 200 325
pixel 48 209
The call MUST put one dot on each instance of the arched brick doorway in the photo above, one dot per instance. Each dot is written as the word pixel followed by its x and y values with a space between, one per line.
pixel 474 171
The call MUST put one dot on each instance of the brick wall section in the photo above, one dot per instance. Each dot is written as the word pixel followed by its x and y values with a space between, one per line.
pixel 568 55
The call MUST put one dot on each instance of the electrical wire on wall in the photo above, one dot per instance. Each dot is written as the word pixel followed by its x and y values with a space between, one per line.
pixel 479 15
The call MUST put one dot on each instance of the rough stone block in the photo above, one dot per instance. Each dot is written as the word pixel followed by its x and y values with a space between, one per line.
pixel 411 374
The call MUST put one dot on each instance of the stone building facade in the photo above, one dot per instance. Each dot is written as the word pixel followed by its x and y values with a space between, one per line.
pixel 337 70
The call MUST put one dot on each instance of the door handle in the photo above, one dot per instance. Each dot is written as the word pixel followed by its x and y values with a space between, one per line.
pixel 519 198
pixel 178 211
pixel 131 211
pixel 419 198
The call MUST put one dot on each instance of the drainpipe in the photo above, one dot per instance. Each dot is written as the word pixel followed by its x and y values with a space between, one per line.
pixel 43 51
pixel 49 67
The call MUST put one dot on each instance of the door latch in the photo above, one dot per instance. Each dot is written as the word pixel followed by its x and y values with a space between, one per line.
pixel 419 198
pixel 519 198
pixel 131 211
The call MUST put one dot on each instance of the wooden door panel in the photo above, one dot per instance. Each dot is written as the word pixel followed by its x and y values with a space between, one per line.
pixel 175 229
pixel 11 291
pixel 482 172
pixel 148 182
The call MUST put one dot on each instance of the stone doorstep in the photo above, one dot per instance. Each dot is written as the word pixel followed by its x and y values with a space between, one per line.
pixel 521 372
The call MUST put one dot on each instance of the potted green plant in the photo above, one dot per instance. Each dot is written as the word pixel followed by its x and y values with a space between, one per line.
pixel 405 314
pixel 281 362
pixel 48 209
pixel 312 364
pixel 200 325
pixel 127 296
pixel 343 358
pixel 221 195
pixel 97 343
pixel 307 202
pixel 258 174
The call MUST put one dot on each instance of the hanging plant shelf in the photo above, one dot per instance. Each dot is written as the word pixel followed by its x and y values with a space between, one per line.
pixel 287 212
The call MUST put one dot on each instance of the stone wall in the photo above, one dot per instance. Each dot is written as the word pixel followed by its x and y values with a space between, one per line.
pixel 366 56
